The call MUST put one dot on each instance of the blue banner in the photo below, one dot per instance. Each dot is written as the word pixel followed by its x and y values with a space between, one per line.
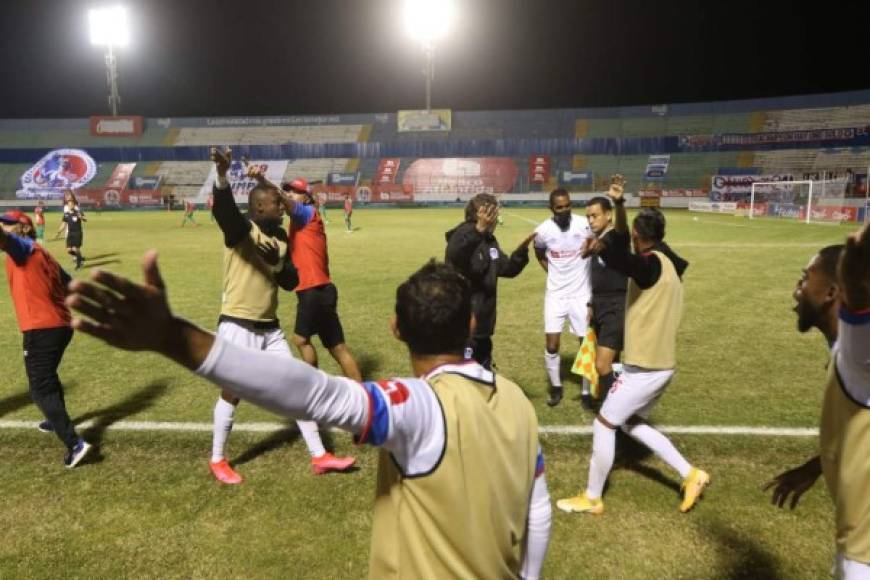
pixel 342 178
pixel 576 178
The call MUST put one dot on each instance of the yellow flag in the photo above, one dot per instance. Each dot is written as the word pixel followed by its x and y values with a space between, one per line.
pixel 584 364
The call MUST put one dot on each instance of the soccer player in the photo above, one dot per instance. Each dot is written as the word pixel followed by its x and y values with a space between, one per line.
pixel 73 217
pixel 348 211
pixel 254 265
pixel 189 209
pixel 321 207
pixel 837 302
pixel 653 312
pixel 38 287
pixel 607 308
pixel 39 211
pixel 473 250
pixel 317 311
pixel 559 245
pixel 461 491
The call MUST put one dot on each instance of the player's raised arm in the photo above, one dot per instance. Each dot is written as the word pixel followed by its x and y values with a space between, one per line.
pixel 137 317
pixel 226 212
pixel 854 271
pixel 617 194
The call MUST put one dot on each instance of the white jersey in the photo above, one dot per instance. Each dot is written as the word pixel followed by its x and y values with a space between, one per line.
pixel 567 270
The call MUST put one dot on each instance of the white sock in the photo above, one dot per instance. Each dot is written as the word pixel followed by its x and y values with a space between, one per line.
pixel 552 363
pixel 603 449
pixel 584 390
pixel 660 445
pixel 223 424
pixel 311 435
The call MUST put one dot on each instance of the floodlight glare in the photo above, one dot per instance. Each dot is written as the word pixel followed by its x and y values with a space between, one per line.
pixel 109 26
pixel 428 20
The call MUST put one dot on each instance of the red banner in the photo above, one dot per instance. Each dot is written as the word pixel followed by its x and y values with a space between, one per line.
pixel 120 176
pixel 128 126
pixel 462 175
pixel 539 169
pixel 388 170
pixel 109 197
pixel 387 193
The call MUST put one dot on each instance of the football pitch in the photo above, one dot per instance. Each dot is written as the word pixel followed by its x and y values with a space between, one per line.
pixel 145 505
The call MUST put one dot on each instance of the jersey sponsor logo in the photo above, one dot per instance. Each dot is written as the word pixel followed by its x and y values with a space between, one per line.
pixel 397 392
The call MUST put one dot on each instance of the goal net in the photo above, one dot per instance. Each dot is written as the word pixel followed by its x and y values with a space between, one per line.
pixel 807 201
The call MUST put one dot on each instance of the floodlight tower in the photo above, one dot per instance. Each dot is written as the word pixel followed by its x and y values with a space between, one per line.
pixel 109 28
pixel 426 22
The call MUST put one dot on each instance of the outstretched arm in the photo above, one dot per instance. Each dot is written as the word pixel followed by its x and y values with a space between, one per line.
pixel 617 194
pixel 137 317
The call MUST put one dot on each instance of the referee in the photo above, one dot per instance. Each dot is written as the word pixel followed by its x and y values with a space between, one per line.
pixel 607 308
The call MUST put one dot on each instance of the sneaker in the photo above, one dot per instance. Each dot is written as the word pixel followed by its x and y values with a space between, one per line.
pixel 555 396
pixel 693 487
pixel 224 473
pixel 329 462
pixel 581 504
pixel 45 427
pixel 77 453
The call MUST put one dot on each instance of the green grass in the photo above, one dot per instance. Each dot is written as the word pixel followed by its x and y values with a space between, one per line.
pixel 148 508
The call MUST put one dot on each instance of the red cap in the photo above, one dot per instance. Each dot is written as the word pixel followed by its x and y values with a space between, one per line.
pixel 16 216
pixel 299 185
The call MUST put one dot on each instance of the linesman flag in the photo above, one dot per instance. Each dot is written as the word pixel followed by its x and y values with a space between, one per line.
pixel 584 364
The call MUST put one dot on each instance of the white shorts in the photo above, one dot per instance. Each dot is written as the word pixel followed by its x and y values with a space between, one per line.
pixel 846 569
pixel 267 340
pixel 558 309
pixel 635 392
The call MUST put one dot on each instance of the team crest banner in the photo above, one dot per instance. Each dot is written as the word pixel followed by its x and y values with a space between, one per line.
pixel 58 170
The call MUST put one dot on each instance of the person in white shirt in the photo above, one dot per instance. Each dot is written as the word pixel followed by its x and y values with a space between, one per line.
pixel 560 243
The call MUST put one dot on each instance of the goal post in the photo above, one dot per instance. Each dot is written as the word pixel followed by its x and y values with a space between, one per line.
pixel 783 199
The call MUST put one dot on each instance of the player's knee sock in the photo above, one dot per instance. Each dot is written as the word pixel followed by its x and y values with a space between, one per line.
pixel 605 383
pixel 603 449
pixel 552 362
pixel 224 413
pixel 311 435
pixel 660 445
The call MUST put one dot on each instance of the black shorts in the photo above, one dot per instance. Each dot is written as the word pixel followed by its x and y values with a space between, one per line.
pixel 74 239
pixel 317 313
pixel 608 320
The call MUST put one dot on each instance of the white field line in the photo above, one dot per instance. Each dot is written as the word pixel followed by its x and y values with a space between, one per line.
pixel 545 429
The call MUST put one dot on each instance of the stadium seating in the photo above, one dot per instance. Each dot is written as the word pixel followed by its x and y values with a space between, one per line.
pixel 271 135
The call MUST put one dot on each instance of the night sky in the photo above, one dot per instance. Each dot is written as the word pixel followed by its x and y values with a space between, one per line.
pixel 258 57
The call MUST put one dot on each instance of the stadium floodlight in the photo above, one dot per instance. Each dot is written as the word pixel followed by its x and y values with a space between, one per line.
pixel 109 28
pixel 427 21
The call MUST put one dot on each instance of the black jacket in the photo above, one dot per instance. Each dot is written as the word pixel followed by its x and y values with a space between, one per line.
pixel 480 259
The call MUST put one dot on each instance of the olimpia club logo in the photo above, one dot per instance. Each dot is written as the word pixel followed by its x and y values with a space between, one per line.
pixel 61 169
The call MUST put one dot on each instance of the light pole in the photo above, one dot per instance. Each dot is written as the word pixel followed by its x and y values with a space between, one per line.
pixel 427 21
pixel 109 28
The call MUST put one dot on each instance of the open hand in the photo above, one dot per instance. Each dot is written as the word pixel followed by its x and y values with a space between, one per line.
pixel 794 483
pixel 124 314
pixel 486 217
pixel 617 186
pixel 269 251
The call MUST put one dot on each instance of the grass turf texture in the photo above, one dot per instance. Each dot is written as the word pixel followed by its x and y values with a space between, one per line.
pixel 148 506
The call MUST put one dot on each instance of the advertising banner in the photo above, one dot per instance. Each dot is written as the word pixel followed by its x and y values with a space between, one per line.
pixel 657 167
pixel 539 169
pixel 422 120
pixel 713 207
pixel 738 187
pixel 240 184
pixel 342 178
pixel 388 169
pixel 127 126
pixel 576 178
pixel 462 175
pixel 388 193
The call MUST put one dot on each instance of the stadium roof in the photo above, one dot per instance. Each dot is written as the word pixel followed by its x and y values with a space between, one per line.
pixel 259 57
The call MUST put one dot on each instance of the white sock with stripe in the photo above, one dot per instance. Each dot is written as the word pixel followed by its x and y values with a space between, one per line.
pixel 660 445
pixel 311 435
pixel 601 462
pixel 552 361
pixel 224 413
